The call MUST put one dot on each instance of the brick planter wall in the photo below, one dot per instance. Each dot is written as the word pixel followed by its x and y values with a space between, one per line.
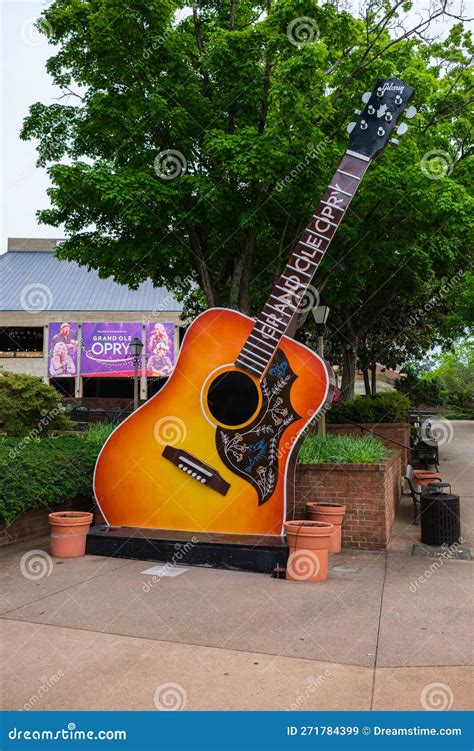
pixel 34 524
pixel 399 431
pixel 371 493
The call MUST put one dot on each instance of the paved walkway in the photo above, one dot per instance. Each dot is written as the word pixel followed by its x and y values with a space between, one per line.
pixel 386 631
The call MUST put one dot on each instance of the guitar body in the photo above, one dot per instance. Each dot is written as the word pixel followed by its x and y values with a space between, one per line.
pixel 214 450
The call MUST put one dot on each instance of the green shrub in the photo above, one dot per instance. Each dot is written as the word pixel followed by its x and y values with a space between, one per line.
pixel 459 416
pixel 341 449
pixel 29 405
pixel 40 472
pixel 386 406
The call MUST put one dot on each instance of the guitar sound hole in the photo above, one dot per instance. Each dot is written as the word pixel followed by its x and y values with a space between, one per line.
pixel 232 398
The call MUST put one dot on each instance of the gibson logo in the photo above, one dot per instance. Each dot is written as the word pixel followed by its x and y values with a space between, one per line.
pixel 392 87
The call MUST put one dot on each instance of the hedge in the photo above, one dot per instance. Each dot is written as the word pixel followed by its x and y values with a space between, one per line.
pixel 40 472
pixel 386 406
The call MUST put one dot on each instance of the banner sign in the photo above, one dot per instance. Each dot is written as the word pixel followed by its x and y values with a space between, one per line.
pixel 159 349
pixel 62 350
pixel 105 349
pixel 213 731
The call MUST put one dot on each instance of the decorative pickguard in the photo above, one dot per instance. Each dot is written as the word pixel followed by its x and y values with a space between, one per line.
pixel 252 452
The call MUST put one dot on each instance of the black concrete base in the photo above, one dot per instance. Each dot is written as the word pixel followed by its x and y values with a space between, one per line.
pixel 234 552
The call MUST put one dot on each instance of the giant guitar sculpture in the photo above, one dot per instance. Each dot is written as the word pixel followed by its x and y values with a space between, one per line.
pixel 214 450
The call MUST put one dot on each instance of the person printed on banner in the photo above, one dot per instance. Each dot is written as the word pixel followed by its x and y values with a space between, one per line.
pixel 61 363
pixel 158 335
pixel 159 364
pixel 65 337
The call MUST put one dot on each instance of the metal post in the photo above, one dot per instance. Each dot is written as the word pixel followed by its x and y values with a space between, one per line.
pixel 322 420
pixel 135 383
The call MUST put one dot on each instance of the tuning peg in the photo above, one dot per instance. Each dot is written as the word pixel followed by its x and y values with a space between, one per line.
pixel 395 141
pixel 389 117
pixel 402 128
pixel 350 127
pixel 363 125
pixel 398 99
pixel 366 96
pixel 411 112
pixel 379 92
pixel 380 131
pixel 371 110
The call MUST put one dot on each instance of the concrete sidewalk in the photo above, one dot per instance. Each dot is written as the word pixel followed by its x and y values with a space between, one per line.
pixel 385 631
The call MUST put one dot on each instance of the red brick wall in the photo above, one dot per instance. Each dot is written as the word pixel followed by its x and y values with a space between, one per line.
pixel 34 524
pixel 399 431
pixel 371 493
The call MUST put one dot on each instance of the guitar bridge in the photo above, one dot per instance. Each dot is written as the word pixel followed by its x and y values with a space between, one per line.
pixel 197 469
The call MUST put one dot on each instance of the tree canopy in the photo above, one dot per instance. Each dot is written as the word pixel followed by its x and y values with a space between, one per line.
pixel 192 148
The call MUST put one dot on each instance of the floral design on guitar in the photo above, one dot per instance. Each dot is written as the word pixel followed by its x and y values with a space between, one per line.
pixel 252 452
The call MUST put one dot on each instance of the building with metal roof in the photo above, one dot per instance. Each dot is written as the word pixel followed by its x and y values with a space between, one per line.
pixel 39 294
pixel 64 286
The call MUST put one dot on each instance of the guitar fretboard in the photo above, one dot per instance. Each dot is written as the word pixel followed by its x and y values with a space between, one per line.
pixel 292 285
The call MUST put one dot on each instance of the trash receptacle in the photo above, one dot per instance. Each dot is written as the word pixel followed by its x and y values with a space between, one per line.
pixel 439 518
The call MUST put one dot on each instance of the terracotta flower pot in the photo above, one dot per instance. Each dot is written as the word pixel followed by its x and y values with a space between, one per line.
pixel 308 542
pixel 69 532
pixel 333 513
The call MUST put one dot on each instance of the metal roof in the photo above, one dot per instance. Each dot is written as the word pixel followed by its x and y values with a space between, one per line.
pixel 66 286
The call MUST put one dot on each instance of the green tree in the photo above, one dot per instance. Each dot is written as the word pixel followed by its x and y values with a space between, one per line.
pixel 455 373
pixel 196 147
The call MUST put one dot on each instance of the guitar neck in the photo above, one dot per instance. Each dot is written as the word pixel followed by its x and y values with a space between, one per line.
pixel 291 286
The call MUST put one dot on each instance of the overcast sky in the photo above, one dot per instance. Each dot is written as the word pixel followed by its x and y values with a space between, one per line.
pixel 24 81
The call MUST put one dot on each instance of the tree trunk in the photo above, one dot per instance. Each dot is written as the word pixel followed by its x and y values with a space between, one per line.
pixel 373 377
pixel 202 268
pixel 351 342
pixel 365 371
pixel 239 296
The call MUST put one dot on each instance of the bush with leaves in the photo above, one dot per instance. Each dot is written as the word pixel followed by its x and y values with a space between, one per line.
pixel 28 405
pixel 42 472
pixel 388 406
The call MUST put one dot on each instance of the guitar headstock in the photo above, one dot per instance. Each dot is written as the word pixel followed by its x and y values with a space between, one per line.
pixel 376 123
